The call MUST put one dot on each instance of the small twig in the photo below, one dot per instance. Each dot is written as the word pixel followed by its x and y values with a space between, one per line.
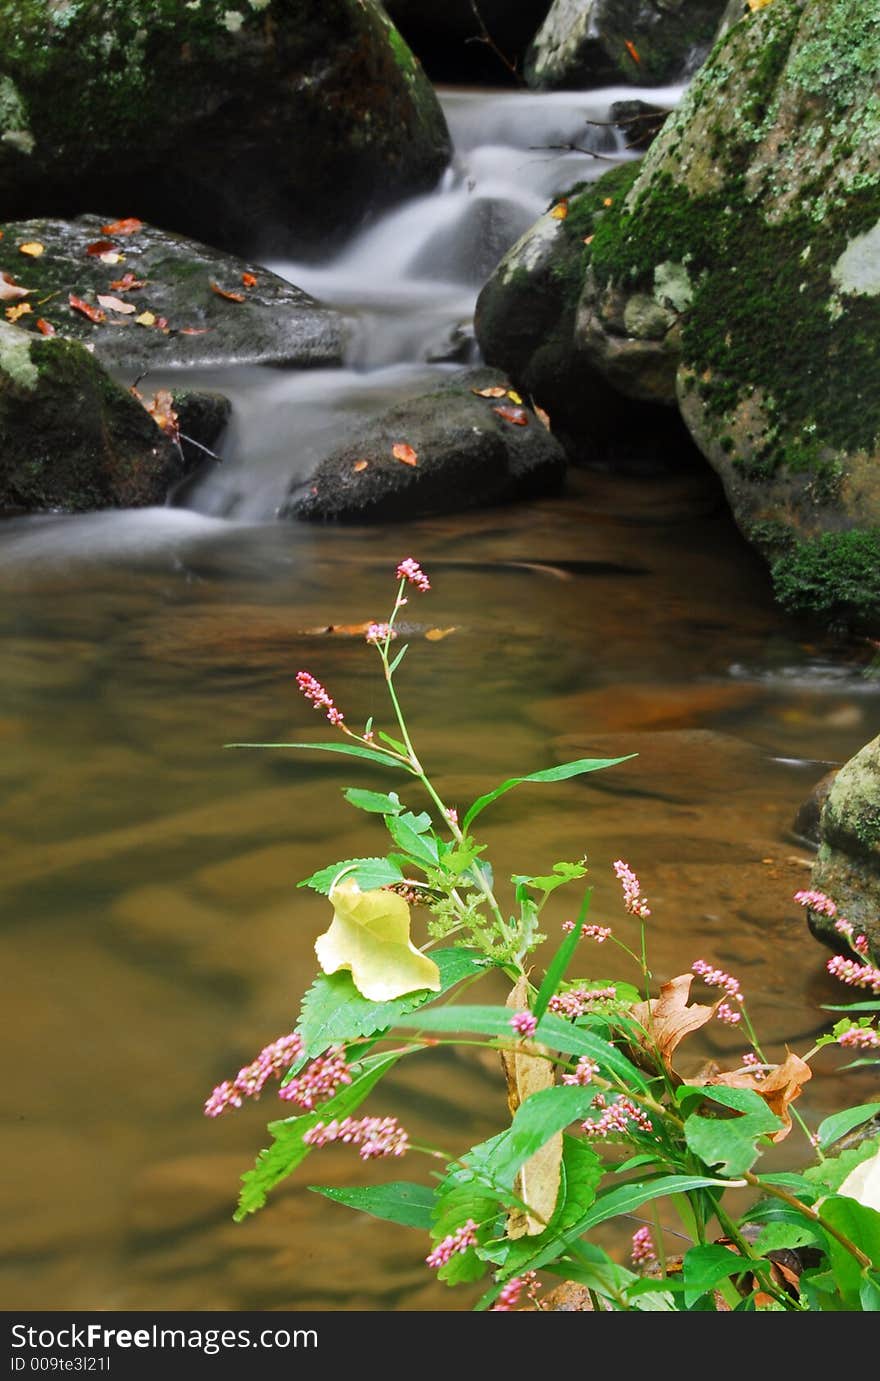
pixel 486 38
pixel 576 148
pixel 208 452
pixel 629 119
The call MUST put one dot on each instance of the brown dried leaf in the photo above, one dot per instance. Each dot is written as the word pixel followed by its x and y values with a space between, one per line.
pixel 127 283
pixel 518 417
pixel 86 308
pixel 223 292
pixel 489 392
pixel 404 453
pixel 542 416
pixel 114 304
pixel 779 1088
pixel 161 409
pixel 537 1182
pixel 98 248
pixel 667 1019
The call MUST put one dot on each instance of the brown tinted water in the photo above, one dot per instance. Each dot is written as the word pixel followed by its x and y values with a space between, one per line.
pixel 154 939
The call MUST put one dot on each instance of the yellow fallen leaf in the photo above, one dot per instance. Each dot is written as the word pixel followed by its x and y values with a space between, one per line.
pixel 757 4
pixel 33 249
pixel 146 319
pixel 513 395
pixel 369 936
pixel 560 211
pixel 13 313
pixel 435 635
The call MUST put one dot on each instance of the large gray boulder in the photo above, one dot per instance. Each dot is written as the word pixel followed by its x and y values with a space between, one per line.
pixel 584 43
pixel 243 123
pixel 193 324
pixel 847 868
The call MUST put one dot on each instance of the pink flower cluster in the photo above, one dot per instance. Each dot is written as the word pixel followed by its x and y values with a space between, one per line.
pixel 576 1001
pixel 643 1247
pixel 717 978
pixel 411 570
pixel 272 1061
pixel 313 690
pixel 583 1072
pixel 380 633
pixel 633 900
pixel 753 1065
pixel 620 1118
pixel 509 1296
pixel 319 1080
pixel 854 974
pixel 599 933
pixel 724 1012
pixel 524 1024
pixel 860 1038
pixel 846 928
pixel 458 1241
pixel 816 901
pixel 376 1136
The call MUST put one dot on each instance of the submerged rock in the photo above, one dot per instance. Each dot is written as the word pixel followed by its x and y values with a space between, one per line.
pixel 847 868
pixel 273 323
pixel 70 437
pixel 466 455
pixel 277 123
pixel 644 42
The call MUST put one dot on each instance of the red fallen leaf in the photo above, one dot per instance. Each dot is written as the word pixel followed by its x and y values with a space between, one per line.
pixel 360 465
pixel 230 296
pixel 193 330
pixel 114 304
pixel 9 289
pixel 127 283
pixel 93 313
pixel 517 416
pixel 99 247
pixel 405 454
pixel 44 327
pixel 632 50
pixel 128 226
pixel 249 280
pixel 489 392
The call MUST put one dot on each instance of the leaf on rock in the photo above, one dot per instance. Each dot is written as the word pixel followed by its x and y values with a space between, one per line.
pixel 249 280
pixel 146 319
pixel 115 304
pixel 229 296
pixel 10 290
pixel 404 453
pixel 93 313
pixel 632 50
pixel 193 330
pixel 127 226
pixel 33 249
pixel 528 1071
pixel 161 409
pixel 369 936
pixel 98 248
pixel 542 416
pixel 778 1088
pixel 514 396
pixel 44 327
pixel 127 283
pixel 359 466
pixel 13 313
pixel 518 417
pixel 560 211
pixel 667 1019
pixel 490 392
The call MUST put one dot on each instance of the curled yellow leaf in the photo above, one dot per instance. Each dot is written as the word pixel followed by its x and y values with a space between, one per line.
pixel 369 935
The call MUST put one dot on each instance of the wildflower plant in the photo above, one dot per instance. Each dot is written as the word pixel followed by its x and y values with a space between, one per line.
pixel 604 1125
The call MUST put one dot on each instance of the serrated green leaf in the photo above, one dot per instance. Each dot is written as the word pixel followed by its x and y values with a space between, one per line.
pixel 562 873
pixel 580 1172
pixel 375 802
pixel 350 750
pixel 333 1011
pixel 288 1149
pixel 461 1196
pixel 421 848
pixel 836 1126
pixel 831 1172
pixel 368 873
pixel 705 1266
pixel 790 1234
pixel 397 1202
pixel 549 774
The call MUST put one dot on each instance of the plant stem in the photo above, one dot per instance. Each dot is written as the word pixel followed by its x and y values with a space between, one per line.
pixel 809 1212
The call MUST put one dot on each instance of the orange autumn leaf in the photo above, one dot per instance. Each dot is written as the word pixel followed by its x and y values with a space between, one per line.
pixel 10 290
pixel 667 1019
pixel 192 330
pixel 607 201
pixel 542 416
pixel 115 304
pixel 778 1088
pixel 161 409
pixel 560 211
pixel 44 327
pixel 98 248
pixel 489 392
pixel 223 292
pixel 93 313
pixel 13 313
pixel 360 465
pixel 404 453
pixel 249 280
pixel 128 226
pixel 127 283
pixel 518 417
pixel 436 635
pixel 632 50
pixel 33 249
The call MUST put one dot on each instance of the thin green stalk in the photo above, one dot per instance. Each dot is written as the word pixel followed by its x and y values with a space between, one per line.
pixel 809 1212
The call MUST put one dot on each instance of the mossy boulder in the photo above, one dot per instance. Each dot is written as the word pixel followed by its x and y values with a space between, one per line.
pixel 273 323
pixel 451 42
pixel 466 455
pixel 847 868
pixel 585 43
pixel 70 437
pixel 248 124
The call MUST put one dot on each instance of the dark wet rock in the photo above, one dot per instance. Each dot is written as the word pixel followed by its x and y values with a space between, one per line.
pixel 270 123
pixel 806 821
pixel 639 121
pixel 848 866
pixel 70 437
pixel 203 419
pixel 448 37
pixel 457 345
pixel 467 456
pixel 471 248
pixel 643 42
pixel 276 323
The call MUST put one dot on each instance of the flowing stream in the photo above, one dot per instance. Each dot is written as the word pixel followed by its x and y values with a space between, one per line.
pixel 154 938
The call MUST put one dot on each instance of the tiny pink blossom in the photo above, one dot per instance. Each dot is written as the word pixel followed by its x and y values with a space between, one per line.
pixel 620 1118
pixel 643 1251
pixel 633 900
pixel 376 1136
pixel 458 1241
pixel 583 1072
pixel 753 1065
pixel 724 1012
pixel 717 978
pixel 510 1294
pixel 816 901
pixel 860 1038
pixel 452 815
pixel 854 974
pixel 524 1023
pixel 411 570
pixel 576 1001
pixel 313 690
pixel 319 1080
pixel 599 933
pixel 380 633
pixel 860 945
pixel 249 1082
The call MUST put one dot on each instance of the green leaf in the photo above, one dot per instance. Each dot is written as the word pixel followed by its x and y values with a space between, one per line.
pixel 831 1172
pixel 852 1007
pixel 398 659
pixel 553 1031
pixel 395 744
pixel 414 843
pixel 351 750
pixel 581 1170
pixel 561 960
pixel 288 1149
pixel 836 1126
pixel 550 774
pixel 463 1195
pixel 368 873
pixel 730 1142
pixel 333 1011
pixel 704 1267
pixel 376 802
pixel 536 1120
pixel 861 1225
pixel 397 1202
pixel 802 1233
pixel 869 1294
pixel 562 873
